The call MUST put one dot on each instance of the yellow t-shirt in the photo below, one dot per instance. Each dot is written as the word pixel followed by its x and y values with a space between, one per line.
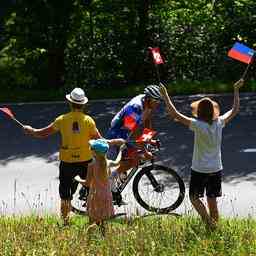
pixel 76 130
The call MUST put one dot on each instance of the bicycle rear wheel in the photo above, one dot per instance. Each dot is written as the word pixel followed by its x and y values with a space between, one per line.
pixel 158 189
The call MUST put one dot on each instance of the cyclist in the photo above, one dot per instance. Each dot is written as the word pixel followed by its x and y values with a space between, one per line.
pixel 127 124
pixel 76 129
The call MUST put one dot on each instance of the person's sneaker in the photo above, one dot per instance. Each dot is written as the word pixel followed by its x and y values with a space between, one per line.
pixel 83 193
pixel 123 176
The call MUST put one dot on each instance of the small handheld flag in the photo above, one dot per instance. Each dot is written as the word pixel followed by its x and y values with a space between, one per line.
pixel 241 52
pixel 156 55
pixel 157 58
pixel 9 114
pixel 146 135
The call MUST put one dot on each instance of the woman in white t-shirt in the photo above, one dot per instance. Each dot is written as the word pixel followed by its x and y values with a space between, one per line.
pixel 206 163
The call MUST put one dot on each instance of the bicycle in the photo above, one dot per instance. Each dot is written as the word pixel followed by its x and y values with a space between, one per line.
pixel 166 188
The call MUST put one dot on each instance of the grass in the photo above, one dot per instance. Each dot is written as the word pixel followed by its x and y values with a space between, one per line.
pixel 156 235
pixel 104 92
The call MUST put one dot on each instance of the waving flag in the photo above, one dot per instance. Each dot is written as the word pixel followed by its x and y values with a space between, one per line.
pixel 241 52
pixel 156 55
pixel 146 135
pixel 8 112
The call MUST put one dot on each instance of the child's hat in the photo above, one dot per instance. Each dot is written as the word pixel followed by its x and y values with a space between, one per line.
pixel 216 108
pixel 99 145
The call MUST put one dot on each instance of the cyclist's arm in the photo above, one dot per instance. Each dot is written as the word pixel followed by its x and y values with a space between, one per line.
pixel 116 162
pixel 117 142
pixel 39 133
pixel 173 112
pixel 147 118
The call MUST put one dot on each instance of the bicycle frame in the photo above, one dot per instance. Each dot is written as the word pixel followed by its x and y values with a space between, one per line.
pixel 133 171
pixel 122 186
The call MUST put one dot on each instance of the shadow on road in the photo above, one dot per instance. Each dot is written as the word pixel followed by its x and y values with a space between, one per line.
pixel 177 141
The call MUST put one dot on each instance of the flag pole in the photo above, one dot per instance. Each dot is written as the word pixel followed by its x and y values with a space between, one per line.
pixel 157 73
pixel 18 122
pixel 246 71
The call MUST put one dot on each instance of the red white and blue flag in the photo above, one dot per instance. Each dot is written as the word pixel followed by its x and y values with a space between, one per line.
pixel 241 52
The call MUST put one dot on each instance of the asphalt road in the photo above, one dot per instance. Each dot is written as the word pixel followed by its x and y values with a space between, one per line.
pixel 29 166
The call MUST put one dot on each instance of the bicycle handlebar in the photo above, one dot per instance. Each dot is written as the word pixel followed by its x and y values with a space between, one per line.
pixel 154 143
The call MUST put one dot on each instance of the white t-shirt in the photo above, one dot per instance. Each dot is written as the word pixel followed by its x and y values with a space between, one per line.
pixel 207 145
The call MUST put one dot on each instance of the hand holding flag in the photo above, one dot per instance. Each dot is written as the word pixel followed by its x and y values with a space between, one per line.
pixel 9 114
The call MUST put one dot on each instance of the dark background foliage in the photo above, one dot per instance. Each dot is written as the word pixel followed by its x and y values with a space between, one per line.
pixel 88 43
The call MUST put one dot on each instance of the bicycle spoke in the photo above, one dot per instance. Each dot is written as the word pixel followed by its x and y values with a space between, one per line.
pixel 158 188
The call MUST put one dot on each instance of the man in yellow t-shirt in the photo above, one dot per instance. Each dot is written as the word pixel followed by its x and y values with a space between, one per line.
pixel 76 129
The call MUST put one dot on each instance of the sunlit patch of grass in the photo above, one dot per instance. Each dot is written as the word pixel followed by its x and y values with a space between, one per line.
pixel 153 235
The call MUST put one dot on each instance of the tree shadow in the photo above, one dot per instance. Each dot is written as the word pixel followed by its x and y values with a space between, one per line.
pixel 176 140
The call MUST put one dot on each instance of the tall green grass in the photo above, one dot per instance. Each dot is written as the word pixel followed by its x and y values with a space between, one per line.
pixel 155 235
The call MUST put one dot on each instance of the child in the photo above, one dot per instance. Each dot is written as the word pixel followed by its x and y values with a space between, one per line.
pixel 99 204
pixel 206 164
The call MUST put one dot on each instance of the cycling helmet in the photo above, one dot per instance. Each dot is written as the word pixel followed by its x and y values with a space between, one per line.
pixel 152 91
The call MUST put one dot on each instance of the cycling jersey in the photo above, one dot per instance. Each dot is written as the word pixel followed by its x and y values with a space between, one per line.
pixel 134 109
pixel 76 129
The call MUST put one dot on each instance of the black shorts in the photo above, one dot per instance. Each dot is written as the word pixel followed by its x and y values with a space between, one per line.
pixel 67 173
pixel 205 182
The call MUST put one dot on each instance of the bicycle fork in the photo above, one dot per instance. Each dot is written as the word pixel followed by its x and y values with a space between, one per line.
pixel 157 186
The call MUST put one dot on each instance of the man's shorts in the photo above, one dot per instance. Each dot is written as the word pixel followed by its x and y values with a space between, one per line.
pixel 205 182
pixel 67 172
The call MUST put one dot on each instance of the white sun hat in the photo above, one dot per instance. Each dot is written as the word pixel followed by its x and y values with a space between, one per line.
pixel 77 96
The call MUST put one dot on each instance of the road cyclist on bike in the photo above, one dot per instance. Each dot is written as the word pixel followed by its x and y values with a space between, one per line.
pixel 128 124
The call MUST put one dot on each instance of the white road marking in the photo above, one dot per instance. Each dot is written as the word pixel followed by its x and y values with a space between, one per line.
pixel 248 150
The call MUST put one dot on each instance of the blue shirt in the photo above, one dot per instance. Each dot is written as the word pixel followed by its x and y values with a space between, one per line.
pixel 134 106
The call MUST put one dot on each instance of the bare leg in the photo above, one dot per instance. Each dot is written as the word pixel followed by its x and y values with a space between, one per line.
pixel 201 210
pixel 65 208
pixel 213 209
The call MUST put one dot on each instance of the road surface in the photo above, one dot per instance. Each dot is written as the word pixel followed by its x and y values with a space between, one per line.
pixel 29 166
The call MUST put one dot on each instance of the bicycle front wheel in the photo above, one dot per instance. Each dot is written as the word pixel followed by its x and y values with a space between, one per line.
pixel 158 189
